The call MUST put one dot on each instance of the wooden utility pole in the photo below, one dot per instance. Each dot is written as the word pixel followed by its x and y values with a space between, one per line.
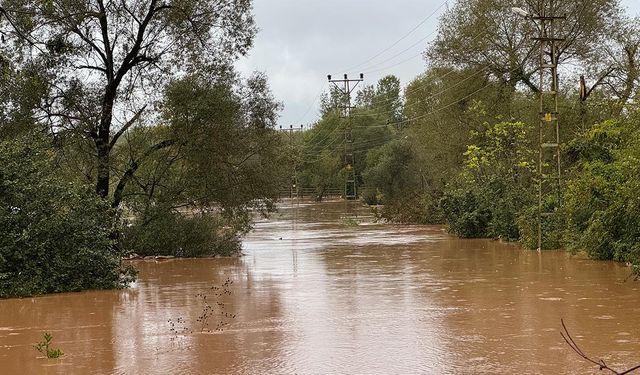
pixel 549 167
pixel 346 87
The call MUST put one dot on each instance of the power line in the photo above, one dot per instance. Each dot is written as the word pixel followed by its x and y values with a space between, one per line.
pixel 422 22
pixel 317 98
pixel 379 105
pixel 434 111
pixel 399 53
pixel 399 40
pixel 417 88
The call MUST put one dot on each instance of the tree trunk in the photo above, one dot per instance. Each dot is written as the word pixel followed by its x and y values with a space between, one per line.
pixel 103 149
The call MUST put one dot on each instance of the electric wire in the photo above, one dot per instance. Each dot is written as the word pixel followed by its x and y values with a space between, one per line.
pixel 483 70
pixel 422 22
pixel 449 105
pixel 452 71
pixel 317 98
pixel 399 40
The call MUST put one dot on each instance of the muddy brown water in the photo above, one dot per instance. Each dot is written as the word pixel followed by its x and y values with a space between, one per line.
pixel 316 294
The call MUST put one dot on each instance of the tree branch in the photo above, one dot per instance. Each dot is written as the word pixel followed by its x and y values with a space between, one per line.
pixel 133 167
pixel 600 363
pixel 126 127
pixel 599 81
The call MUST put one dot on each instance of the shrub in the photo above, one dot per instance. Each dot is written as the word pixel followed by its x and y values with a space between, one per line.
pixel 163 232
pixel 465 214
pixel 485 199
pixel 55 234
pixel 601 201
pixel 414 209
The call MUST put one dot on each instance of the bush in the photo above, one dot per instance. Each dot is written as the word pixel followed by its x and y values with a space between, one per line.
pixel 527 221
pixel 465 213
pixel 601 199
pixel 495 185
pixel 163 232
pixel 55 234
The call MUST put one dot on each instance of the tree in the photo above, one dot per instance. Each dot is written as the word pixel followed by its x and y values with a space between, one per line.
pixel 220 157
pixel 21 90
pixel 105 60
pixel 600 202
pixel 442 105
pixel 615 67
pixel 55 236
pixel 374 121
pixel 383 101
pixel 321 157
pixel 484 35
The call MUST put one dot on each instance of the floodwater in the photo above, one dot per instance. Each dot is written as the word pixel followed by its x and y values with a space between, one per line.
pixel 316 294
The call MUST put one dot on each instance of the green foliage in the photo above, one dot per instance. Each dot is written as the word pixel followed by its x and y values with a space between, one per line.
pixel 96 72
pixel 485 35
pixel 44 349
pixel 465 213
pixel 487 197
pixel 181 235
pixel 601 202
pixel 228 152
pixel 388 168
pixel 22 90
pixel 527 221
pixel 322 154
pixel 321 157
pixel 55 235
pixel 208 144
pixel 391 170
pixel 216 150
pixel 417 208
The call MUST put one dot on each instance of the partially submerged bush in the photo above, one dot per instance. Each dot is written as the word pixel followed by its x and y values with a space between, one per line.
pixel 163 232
pixel 485 199
pixel 601 199
pixel 55 234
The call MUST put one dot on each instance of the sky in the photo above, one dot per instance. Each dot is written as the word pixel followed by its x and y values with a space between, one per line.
pixel 301 41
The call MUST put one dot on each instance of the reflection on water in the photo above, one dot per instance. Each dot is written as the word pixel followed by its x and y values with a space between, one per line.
pixel 316 295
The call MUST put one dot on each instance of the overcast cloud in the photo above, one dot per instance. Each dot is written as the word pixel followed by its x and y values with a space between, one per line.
pixel 301 41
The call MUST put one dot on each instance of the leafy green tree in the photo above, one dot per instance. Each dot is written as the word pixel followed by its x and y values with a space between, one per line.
pixel 55 236
pixel 484 35
pixel 321 158
pixel 21 90
pixel 215 157
pixel 614 68
pixel 391 171
pixel 443 106
pixel 105 60
pixel 374 123
pixel 385 101
pixel 600 202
